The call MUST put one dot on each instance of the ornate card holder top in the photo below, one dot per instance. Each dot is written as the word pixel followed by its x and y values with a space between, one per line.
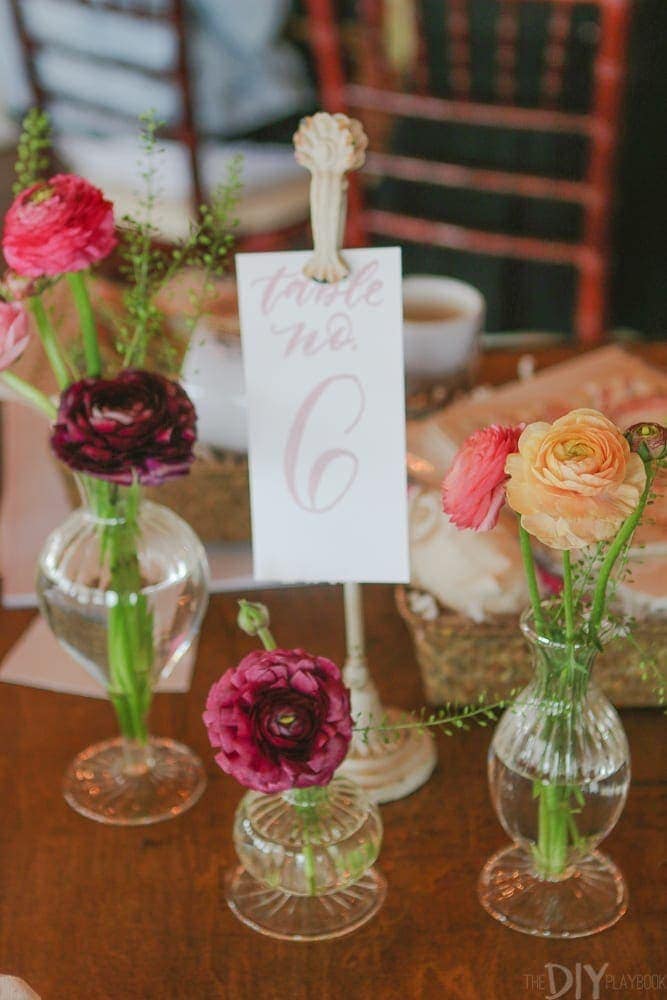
pixel 329 146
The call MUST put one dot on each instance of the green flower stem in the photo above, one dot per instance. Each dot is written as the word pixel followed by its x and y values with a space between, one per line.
pixel 531 578
pixel 309 862
pixel 568 601
pixel 267 639
pixel 563 682
pixel 130 622
pixel 49 342
pixel 91 347
pixel 615 549
pixel 553 823
pixel 306 801
pixel 30 394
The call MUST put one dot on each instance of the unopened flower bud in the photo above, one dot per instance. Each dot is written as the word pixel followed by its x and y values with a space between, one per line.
pixel 252 617
pixel 648 439
pixel 16 287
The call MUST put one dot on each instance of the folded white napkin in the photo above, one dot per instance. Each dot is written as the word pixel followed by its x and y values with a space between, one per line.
pixel 38 660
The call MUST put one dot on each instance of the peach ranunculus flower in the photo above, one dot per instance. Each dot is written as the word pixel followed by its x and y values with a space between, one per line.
pixel 574 481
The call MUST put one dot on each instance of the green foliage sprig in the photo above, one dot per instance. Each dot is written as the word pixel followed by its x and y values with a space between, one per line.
pixel 648 666
pixel 149 266
pixel 447 719
pixel 33 157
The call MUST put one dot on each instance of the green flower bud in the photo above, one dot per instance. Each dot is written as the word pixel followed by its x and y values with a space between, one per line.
pixel 253 617
pixel 648 439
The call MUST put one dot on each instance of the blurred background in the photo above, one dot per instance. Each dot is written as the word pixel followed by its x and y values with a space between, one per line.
pixel 518 145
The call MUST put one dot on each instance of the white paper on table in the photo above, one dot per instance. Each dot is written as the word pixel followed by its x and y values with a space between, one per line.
pixel 38 660
pixel 325 396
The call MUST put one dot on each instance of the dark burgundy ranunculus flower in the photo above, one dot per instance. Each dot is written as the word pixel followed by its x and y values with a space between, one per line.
pixel 281 719
pixel 138 424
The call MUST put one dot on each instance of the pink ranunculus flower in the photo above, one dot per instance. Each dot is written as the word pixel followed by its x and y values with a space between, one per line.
pixel 64 224
pixel 14 332
pixel 473 491
pixel 281 719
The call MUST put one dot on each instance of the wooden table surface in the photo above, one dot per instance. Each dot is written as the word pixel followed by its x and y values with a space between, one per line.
pixel 96 913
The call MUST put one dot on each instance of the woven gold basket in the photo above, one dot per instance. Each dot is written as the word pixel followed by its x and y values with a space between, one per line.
pixel 213 498
pixel 459 658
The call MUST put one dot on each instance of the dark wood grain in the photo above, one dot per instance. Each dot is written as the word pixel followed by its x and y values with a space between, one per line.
pixel 94 913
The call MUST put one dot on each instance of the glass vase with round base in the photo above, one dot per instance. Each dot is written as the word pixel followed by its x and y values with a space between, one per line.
pixel 559 772
pixel 123 585
pixel 307 857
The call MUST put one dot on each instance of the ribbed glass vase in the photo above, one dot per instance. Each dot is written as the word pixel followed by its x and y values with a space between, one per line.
pixel 123 585
pixel 307 860
pixel 559 771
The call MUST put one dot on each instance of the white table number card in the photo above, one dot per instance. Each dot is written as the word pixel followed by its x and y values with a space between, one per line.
pixel 325 395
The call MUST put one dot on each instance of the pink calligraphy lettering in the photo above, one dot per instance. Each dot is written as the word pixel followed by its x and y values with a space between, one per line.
pixel 293 457
pixel 361 288
pixel 337 336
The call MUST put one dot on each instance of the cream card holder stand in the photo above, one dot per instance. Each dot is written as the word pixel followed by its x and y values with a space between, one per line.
pixel 324 375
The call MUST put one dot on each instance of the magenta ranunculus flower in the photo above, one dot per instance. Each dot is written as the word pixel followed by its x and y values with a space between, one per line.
pixel 14 332
pixel 473 491
pixel 281 720
pixel 138 424
pixel 64 224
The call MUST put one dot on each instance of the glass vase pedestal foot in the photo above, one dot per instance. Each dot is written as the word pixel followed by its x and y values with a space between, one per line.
pixel 589 899
pixel 284 915
pixel 125 783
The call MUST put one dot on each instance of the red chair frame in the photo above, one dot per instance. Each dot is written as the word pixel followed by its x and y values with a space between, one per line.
pixel 590 256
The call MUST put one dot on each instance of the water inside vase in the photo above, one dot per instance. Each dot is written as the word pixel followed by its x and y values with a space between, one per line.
pixel 75 598
pixel 590 808
pixel 313 851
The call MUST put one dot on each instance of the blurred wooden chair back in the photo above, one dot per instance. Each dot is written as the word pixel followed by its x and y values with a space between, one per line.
pixel 168 14
pixel 420 61
pixel 148 67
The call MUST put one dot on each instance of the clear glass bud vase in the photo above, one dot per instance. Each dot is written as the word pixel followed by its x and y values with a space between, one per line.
pixel 123 585
pixel 306 862
pixel 559 771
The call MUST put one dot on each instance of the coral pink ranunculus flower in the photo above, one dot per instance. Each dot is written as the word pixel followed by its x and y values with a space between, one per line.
pixel 64 224
pixel 14 332
pixel 473 491
pixel 281 719
pixel 574 481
